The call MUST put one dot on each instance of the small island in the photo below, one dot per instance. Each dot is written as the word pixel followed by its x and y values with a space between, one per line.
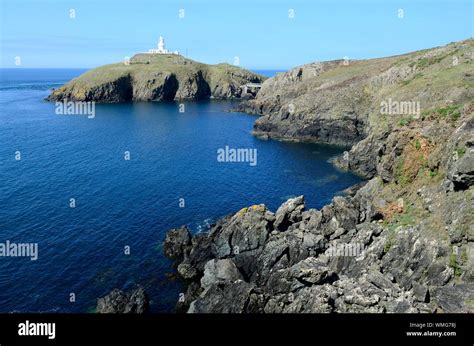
pixel 159 75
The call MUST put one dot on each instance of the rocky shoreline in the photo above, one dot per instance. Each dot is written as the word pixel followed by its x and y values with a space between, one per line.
pixel 403 242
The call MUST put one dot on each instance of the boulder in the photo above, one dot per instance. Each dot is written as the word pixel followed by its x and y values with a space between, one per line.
pixel 177 242
pixel 218 271
pixel 289 213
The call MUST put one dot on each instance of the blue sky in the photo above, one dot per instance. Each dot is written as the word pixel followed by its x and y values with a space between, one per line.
pixel 260 33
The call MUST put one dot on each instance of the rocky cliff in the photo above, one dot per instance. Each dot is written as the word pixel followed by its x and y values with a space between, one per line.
pixel 156 77
pixel 340 102
pixel 404 242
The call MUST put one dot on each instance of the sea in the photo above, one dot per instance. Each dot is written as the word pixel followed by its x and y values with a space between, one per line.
pixel 98 194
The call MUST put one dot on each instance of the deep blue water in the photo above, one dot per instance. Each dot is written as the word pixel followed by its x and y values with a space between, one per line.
pixel 127 203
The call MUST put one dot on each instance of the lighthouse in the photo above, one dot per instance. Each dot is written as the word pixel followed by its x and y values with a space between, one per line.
pixel 161 48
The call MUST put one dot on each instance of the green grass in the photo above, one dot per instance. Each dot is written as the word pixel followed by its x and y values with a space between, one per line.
pixel 449 113
pixel 425 62
pixel 400 220
pixel 405 121
pixel 453 263
pixel 400 176
pixel 417 144
pixel 460 152
pixel 390 241
pixel 423 161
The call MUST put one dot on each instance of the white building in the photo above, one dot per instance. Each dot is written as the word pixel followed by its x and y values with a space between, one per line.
pixel 161 48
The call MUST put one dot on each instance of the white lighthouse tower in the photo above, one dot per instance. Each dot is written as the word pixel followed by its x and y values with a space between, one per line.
pixel 161 48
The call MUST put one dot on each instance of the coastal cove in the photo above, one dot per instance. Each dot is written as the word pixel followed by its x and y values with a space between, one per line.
pixel 134 171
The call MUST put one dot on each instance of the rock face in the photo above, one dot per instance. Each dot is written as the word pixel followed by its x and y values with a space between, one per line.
pixel 119 302
pixel 155 77
pixel 401 243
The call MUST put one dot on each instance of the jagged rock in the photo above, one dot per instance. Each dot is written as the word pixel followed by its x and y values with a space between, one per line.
pixel 370 204
pixel 187 271
pixel 421 292
pixel 339 214
pixel 195 259
pixel 461 163
pixel 218 271
pixel 305 273
pixel 223 298
pixel 455 299
pixel 291 272
pixel 192 293
pixel 246 230
pixel 120 302
pixel 314 299
pixel 176 242
pixel 400 306
pixel 289 213
pixel 412 258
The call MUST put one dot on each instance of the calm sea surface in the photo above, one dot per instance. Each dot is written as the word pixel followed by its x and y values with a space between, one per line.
pixel 121 204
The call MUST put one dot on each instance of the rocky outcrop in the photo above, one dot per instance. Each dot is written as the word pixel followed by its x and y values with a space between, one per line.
pixel 461 162
pixel 322 261
pixel 155 77
pixel 120 302
pixel 177 240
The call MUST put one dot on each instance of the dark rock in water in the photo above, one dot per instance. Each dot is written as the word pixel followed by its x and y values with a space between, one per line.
pixel 176 242
pixel 120 302
pixel 352 190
